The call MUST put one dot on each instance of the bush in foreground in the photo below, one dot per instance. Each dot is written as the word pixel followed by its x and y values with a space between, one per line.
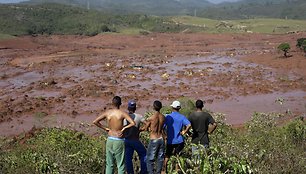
pixel 261 147
pixel 53 150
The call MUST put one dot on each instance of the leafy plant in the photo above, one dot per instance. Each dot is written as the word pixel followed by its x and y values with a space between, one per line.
pixel 54 150
pixel 285 47
pixel 299 42
pixel 304 46
pixel 212 160
pixel 262 146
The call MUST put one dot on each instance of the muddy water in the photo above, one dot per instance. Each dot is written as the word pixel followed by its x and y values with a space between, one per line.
pixel 240 108
pixel 74 94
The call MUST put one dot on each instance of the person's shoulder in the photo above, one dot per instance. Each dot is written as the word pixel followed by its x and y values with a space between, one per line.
pixel 168 117
pixel 206 113
pixel 118 111
pixel 182 115
pixel 154 115
pixel 192 114
pixel 160 115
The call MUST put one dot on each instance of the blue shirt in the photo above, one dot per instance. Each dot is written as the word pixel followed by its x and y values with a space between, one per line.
pixel 174 123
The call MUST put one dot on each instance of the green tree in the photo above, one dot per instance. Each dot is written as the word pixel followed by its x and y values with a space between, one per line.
pixel 304 46
pixel 299 42
pixel 285 47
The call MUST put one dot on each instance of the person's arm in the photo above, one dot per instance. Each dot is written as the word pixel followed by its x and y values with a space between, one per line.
pixel 146 125
pixel 100 118
pixel 186 129
pixel 165 136
pixel 211 127
pixel 186 123
pixel 130 120
pixel 190 120
pixel 142 124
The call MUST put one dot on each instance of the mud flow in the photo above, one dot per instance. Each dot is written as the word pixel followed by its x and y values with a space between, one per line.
pixel 66 81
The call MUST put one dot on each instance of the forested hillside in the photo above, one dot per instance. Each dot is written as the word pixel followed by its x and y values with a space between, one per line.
pixel 63 19
pixel 24 19
pixel 244 9
pixel 156 7
pixel 284 9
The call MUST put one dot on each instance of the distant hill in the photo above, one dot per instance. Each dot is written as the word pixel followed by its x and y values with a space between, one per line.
pixel 151 7
pixel 248 9
pixel 24 19
pixel 243 9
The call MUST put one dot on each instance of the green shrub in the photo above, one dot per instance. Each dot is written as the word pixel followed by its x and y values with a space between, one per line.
pixel 262 146
pixel 211 160
pixel 304 46
pixel 187 107
pixel 54 150
pixel 296 131
pixel 285 47
pixel 299 42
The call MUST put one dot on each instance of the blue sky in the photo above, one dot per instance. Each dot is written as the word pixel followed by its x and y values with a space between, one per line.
pixel 14 1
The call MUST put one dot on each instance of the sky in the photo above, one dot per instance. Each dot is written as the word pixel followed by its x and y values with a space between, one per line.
pixel 10 1
pixel 218 1
pixel 213 1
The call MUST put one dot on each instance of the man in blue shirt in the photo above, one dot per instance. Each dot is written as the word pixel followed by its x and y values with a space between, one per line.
pixel 174 124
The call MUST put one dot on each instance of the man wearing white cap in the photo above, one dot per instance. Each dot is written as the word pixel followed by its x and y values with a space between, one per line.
pixel 174 123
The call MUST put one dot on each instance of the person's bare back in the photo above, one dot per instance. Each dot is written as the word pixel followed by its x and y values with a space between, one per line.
pixel 156 147
pixel 114 148
pixel 156 124
pixel 114 119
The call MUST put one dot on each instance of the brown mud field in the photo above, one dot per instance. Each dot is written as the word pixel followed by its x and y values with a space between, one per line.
pixel 69 80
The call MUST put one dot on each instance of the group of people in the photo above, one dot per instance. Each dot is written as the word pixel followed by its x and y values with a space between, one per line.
pixel 166 135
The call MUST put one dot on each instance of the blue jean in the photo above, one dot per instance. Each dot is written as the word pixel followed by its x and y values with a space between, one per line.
pixel 155 149
pixel 130 147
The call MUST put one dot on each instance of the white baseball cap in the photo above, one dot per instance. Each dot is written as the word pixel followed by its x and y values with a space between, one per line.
pixel 176 104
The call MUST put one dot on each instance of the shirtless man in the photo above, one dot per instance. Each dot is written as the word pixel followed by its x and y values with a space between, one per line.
pixel 115 143
pixel 156 146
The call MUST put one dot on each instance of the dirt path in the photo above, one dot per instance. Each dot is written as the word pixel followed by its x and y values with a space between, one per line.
pixel 63 80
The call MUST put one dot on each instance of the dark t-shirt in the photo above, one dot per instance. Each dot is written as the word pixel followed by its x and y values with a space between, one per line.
pixel 199 123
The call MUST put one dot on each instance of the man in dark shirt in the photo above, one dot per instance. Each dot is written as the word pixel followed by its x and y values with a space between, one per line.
pixel 202 124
